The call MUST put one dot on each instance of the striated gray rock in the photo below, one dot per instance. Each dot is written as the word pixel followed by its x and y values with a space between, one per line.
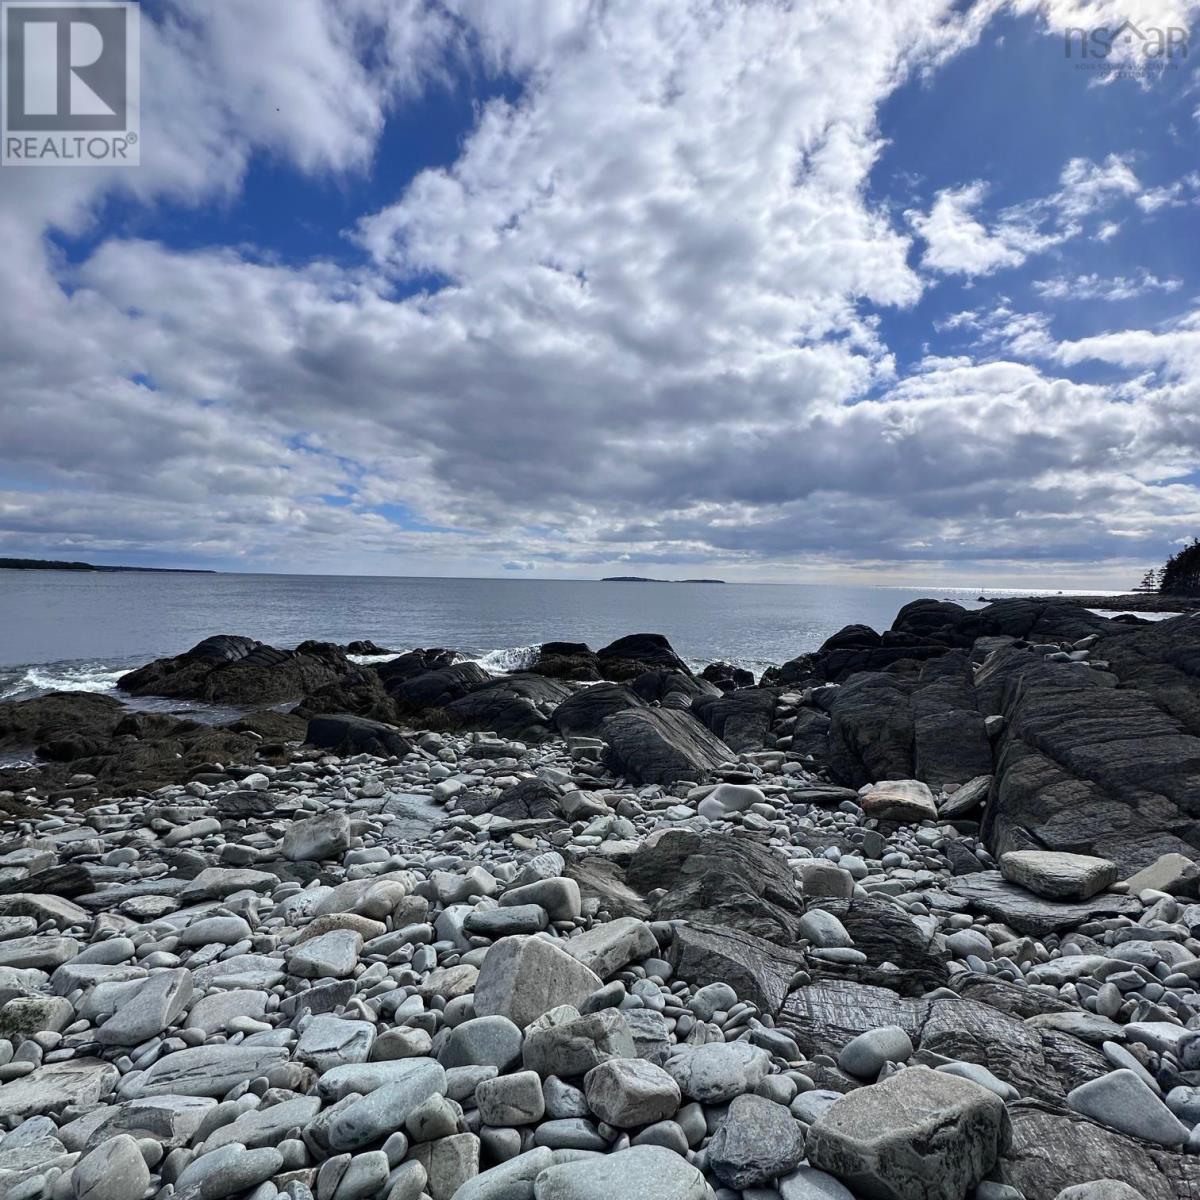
pixel 606 948
pixel 989 892
pixel 82 1081
pixel 151 1008
pixel 758 970
pixel 1052 1150
pixel 206 1070
pixel 660 745
pixel 716 879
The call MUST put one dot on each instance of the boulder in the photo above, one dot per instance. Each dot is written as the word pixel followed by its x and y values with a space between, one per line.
pixel 918 1135
pixel 1085 767
pixel 741 719
pixel 992 894
pixel 629 1092
pixel 239 671
pixel 717 879
pixel 633 655
pixel 326 835
pixel 757 1141
pixel 1053 1149
pixel 566 1044
pixel 514 706
pixel 433 688
pixel 659 745
pixel 758 970
pixel 346 734
pixel 639 1173
pixel 899 800
pixel 608 947
pixel 1058 876
pixel 583 713
pixel 719 1071
pixel 523 977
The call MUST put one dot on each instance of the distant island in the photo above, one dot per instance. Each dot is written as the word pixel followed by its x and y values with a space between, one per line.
pixel 50 564
pixel 644 579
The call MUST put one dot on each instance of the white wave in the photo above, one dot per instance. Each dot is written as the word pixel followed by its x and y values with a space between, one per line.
pixel 511 658
pixel 59 677
pixel 366 660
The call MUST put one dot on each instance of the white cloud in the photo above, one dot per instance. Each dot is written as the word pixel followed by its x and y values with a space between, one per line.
pixel 647 329
pixel 958 243
pixel 1097 287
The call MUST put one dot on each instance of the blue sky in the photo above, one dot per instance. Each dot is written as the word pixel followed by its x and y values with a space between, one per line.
pixel 786 291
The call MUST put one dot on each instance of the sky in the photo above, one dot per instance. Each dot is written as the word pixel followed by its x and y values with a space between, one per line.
pixel 778 290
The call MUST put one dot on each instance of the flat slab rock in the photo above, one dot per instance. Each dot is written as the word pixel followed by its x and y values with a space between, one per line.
pixel 1052 1149
pixel 1057 876
pixel 82 1082
pixel 991 893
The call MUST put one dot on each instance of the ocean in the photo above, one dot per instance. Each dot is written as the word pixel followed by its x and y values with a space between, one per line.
pixel 82 630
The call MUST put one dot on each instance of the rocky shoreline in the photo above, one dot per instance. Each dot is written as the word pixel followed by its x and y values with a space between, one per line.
pixel 1135 602
pixel 913 917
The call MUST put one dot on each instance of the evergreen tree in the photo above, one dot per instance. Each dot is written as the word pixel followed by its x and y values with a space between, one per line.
pixel 1181 575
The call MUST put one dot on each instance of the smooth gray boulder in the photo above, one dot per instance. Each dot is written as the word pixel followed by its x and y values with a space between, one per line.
pixel 227 1171
pixel 606 948
pixel 510 1180
pixel 114 1170
pixel 918 1135
pixel 385 1109
pixel 524 977
pixel 1122 1101
pixel 639 1173
pixel 515 1099
pixel 329 1041
pixel 865 1055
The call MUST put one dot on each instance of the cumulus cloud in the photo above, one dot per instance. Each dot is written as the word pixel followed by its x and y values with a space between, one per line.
pixel 958 242
pixel 635 319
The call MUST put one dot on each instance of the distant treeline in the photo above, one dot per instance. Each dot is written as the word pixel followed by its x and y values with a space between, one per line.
pixel 50 564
